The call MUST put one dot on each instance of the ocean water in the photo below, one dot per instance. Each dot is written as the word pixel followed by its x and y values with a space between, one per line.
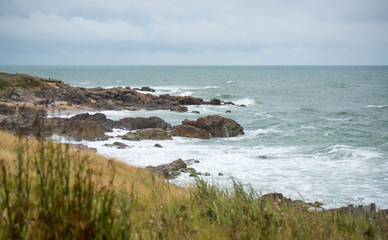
pixel 323 129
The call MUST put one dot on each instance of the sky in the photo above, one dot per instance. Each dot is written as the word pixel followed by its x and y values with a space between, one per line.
pixel 195 32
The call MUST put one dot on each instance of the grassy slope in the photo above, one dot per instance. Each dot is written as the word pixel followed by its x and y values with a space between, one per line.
pixel 51 191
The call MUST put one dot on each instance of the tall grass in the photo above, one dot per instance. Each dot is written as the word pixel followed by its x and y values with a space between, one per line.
pixel 52 191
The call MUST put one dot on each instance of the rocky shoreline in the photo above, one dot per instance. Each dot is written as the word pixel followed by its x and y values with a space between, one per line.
pixel 23 111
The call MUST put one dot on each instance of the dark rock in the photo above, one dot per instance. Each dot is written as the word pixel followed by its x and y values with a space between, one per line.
pixel 228 111
pixel 196 161
pixel 242 105
pixel 145 89
pixel 141 123
pixel 197 112
pixel 169 171
pixel 263 156
pixel 207 174
pixel 85 130
pixel 158 145
pixel 190 131
pixel 220 174
pixel 217 126
pixel 179 109
pixel 119 145
pixel 154 134
pixel 215 101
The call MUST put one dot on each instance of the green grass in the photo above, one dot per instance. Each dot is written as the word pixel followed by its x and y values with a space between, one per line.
pixel 50 191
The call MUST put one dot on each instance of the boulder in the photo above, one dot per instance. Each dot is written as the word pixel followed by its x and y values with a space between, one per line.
pixel 179 109
pixel 169 171
pixel 154 134
pixel 190 131
pixel 85 130
pixel 131 137
pixel 100 118
pixel 215 101
pixel 141 123
pixel 217 126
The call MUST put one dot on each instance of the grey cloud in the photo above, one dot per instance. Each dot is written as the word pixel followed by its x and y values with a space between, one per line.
pixel 283 30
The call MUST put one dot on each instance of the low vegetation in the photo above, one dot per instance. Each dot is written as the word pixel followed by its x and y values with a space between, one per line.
pixel 50 190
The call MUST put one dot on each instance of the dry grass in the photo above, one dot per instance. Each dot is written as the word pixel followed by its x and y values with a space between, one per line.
pixel 106 199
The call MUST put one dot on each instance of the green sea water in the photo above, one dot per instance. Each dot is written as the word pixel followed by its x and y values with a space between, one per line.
pixel 322 129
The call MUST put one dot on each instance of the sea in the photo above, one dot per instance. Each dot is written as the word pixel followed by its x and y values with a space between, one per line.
pixel 313 133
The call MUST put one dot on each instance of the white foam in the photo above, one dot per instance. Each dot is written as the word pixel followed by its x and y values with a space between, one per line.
pixel 229 82
pixel 211 87
pixel 264 115
pixel 266 131
pixel 187 93
pixel 376 106
pixel 245 101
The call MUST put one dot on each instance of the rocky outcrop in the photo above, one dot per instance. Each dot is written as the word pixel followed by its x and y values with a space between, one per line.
pixel 141 123
pixel 169 171
pixel 118 145
pixel 190 131
pixel 84 130
pixel 215 126
pixel 22 120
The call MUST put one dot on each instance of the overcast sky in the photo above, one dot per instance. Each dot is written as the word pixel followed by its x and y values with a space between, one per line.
pixel 195 32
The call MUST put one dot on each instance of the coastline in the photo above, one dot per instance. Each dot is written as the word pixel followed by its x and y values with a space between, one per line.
pixel 146 103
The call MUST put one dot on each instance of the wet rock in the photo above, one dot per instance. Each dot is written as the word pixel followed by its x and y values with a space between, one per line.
pixel 131 137
pixel 119 145
pixel 158 145
pixel 190 131
pixel 228 111
pixel 196 161
pixel 145 89
pixel 220 174
pixel 217 126
pixel 197 112
pixel 207 174
pixel 179 109
pixel 169 171
pixel 154 134
pixel 263 156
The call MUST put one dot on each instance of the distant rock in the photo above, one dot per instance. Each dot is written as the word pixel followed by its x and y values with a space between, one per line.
pixel 158 145
pixel 215 101
pixel 179 109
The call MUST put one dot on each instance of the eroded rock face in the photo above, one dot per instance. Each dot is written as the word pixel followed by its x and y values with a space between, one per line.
pixel 85 130
pixel 190 131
